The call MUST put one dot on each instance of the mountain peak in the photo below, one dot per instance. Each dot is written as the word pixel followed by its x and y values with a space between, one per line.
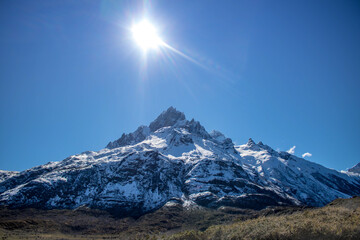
pixel 167 118
pixel 132 138
pixel 219 136
pixel 355 169
pixel 251 142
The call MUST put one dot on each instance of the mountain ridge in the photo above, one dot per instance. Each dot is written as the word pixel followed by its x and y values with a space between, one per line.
pixel 176 160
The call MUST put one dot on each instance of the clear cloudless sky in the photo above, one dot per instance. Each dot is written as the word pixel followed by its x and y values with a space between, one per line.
pixel 283 72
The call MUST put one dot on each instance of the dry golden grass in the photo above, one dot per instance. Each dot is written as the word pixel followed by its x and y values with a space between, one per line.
pixel 340 220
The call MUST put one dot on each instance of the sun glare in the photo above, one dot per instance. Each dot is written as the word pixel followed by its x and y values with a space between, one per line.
pixel 145 35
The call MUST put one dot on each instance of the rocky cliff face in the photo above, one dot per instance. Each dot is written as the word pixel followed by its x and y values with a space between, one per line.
pixel 176 160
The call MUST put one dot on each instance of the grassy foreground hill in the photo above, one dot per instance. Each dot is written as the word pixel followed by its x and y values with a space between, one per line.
pixel 338 220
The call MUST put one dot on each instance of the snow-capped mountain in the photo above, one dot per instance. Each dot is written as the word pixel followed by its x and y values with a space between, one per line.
pixel 176 160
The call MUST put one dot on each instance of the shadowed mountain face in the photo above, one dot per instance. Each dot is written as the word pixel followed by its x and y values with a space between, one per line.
pixel 355 169
pixel 176 160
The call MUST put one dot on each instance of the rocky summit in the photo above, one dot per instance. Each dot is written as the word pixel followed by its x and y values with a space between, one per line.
pixel 176 161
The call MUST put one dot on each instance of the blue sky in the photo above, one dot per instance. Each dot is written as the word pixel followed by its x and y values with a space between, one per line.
pixel 282 72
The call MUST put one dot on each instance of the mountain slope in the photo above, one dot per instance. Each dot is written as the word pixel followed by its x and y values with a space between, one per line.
pixel 176 160
pixel 308 182
pixel 7 174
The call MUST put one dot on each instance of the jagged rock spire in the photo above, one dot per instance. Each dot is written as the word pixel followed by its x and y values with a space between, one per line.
pixel 167 118
pixel 170 117
pixel 251 142
pixel 132 138
pixel 355 169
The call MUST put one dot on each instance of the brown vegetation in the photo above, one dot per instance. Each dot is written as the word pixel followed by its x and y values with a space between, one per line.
pixel 339 220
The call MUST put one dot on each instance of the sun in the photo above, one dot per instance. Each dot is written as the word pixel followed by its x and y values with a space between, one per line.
pixel 146 36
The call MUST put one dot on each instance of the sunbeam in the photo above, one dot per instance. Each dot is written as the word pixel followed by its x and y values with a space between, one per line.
pixel 148 38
